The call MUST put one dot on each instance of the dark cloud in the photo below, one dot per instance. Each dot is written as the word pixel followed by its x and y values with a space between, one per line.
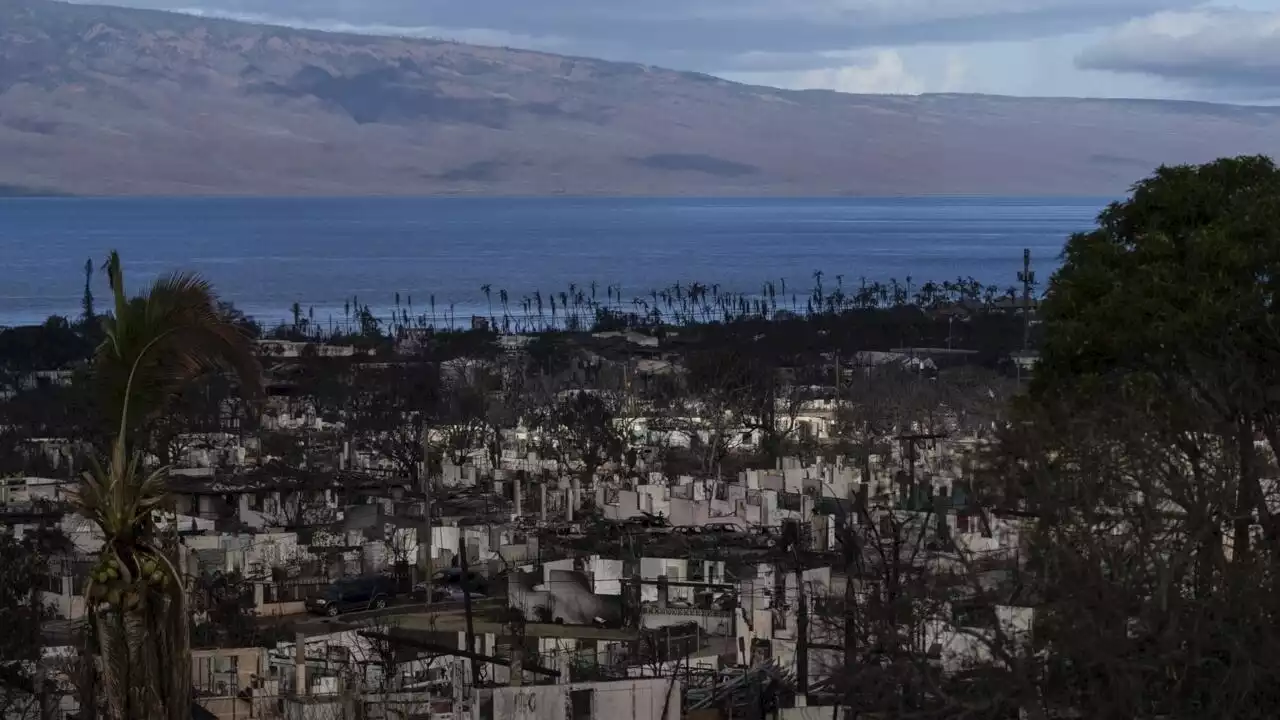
pixel 1233 53
pixel 703 34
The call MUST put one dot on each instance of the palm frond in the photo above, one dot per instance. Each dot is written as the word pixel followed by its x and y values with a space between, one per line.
pixel 159 341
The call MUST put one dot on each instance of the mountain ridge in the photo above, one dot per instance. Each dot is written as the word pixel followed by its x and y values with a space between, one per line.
pixel 99 100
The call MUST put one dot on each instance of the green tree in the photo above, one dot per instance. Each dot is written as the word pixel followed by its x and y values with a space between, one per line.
pixel 48 346
pixel 22 571
pixel 156 343
pixel 1142 452
pixel 1172 300
pixel 89 314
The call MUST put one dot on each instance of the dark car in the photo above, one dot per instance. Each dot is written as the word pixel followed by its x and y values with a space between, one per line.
pixel 448 580
pixel 367 593
pixel 445 593
pixel 650 523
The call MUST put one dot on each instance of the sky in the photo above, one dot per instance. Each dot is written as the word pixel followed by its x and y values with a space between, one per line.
pixel 1218 50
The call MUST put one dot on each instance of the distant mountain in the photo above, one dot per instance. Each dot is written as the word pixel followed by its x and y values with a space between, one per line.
pixel 101 100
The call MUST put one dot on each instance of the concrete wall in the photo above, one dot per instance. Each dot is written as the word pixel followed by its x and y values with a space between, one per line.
pixel 645 699
pixel 710 622
pixel 689 512
pixel 676 569
pixel 238 666
pixel 566 593
pixel 280 608
pixel 812 713
pixel 963 646
pixel 68 604
pixel 628 505
pixel 606 575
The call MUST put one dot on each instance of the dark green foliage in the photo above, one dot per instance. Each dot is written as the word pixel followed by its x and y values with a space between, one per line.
pixel 1179 279
pixel 1146 450
pixel 53 345
pixel 22 571
pixel 88 314
pixel 236 317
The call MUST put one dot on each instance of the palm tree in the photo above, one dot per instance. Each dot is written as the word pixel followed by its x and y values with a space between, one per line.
pixel 155 344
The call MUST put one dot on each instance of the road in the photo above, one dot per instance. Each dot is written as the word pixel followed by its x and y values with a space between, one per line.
pixel 309 624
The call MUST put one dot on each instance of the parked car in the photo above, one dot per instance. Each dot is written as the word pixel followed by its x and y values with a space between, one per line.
pixel 649 520
pixel 453 593
pixel 449 579
pixel 567 530
pixel 355 594
pixel 724 528
pixel 765 536
pixel 727 600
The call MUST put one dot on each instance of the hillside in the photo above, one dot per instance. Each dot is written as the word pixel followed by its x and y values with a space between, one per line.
pixel 100 100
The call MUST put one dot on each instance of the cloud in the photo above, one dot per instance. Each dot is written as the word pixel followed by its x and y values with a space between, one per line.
pixel 878 71
pixel 1231 50
pixel 955 73
pixel 476 36
pixel 883 73
pixel 702 34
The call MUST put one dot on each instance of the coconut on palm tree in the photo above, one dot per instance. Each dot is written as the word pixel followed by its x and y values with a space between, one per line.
pixel 156 343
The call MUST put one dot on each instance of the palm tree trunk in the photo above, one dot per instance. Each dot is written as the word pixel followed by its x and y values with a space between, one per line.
pixel 144 658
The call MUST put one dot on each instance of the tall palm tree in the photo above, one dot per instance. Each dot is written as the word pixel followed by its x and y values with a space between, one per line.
pixel 156 343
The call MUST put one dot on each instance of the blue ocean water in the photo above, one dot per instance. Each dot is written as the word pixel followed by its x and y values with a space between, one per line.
pixel 266 254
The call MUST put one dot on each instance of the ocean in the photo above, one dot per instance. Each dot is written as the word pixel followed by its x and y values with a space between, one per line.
pixel 266 254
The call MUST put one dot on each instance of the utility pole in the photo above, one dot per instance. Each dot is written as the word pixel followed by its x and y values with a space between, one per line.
pixel 466 609
pixel 40 573
pixel 1028 278
pixel 38 677
pixel 425 530
pixel 839 391
pixel 910 449
pixel 802 629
